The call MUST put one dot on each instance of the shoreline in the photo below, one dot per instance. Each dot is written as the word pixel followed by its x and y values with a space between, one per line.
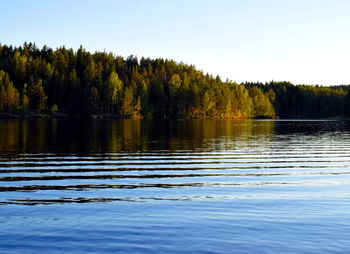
pixel 33 115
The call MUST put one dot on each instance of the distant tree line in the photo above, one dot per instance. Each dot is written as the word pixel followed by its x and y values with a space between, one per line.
pixel 80 83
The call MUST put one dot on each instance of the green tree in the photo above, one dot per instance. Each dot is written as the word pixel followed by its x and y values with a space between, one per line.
pixel 9 95
pixel 18 67
pixel 261 102
pixel 95 97
pixel 138 107
pixel 24 98
pixel 127 106
pixel 37 96
pixel 112 92
pixel 82 83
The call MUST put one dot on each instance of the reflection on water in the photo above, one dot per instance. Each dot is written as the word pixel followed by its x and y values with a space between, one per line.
pixel 42 136
pixel 192 186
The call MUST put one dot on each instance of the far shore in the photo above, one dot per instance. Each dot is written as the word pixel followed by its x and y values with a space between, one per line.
pixel 106 116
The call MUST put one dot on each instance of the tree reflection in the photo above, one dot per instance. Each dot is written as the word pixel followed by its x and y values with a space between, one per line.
pixel 127 135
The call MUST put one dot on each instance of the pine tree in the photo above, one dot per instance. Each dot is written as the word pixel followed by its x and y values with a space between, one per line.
pixel 37 96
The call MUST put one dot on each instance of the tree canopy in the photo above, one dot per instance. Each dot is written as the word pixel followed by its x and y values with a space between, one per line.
pixel 80 83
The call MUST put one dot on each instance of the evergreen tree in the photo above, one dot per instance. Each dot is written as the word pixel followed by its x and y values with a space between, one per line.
pixel 80 83
pixel 9 95
pixel 37 96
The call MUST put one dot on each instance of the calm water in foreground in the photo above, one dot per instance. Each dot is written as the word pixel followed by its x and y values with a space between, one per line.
pixel 199 186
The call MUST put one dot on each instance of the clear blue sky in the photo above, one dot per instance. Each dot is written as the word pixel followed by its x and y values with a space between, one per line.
pixel 303 41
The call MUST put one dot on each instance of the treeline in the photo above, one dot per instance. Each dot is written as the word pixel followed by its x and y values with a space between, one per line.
pixel 79 83
pixel 306 101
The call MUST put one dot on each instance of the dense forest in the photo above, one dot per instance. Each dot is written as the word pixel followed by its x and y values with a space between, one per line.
pixel 82 84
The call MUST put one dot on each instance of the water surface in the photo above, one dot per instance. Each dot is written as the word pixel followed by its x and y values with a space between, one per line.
pixel 194 186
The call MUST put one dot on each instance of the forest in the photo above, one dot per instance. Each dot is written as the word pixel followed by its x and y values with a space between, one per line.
pixel 83 84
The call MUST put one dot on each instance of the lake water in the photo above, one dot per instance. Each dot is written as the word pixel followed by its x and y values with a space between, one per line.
pixel 194 186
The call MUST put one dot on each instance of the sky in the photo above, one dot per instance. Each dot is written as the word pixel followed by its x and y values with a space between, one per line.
pixel 301 41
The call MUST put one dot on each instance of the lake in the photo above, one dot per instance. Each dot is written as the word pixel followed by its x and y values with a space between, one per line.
pixel 159 186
